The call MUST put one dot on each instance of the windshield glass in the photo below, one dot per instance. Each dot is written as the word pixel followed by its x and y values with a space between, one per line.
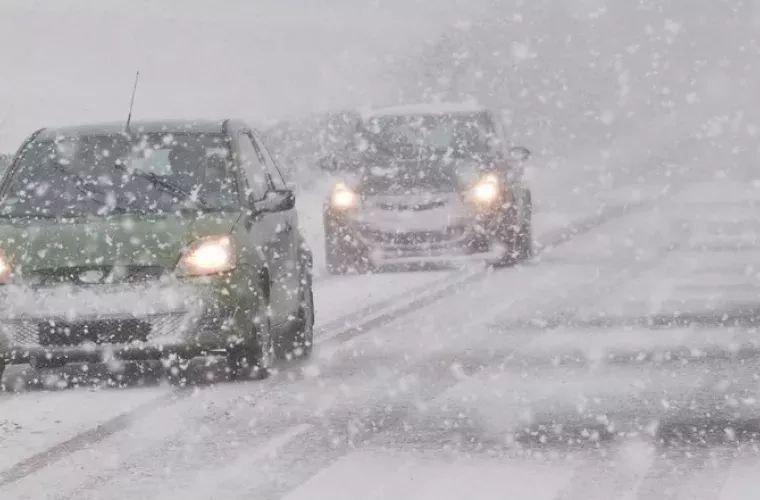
pixel 413 136
pixel 432 175
pixel 100 174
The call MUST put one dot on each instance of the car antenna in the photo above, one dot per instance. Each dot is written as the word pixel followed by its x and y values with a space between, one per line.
pixel 131 102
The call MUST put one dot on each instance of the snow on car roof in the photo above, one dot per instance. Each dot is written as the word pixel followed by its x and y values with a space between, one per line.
pixel 435 108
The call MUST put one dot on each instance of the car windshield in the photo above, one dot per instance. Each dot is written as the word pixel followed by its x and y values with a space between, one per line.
pixel 91 175
pixel 457 135
pixel 429 176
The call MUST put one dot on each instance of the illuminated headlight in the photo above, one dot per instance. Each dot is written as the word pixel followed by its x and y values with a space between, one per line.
pixel 5 269
pixel 207 256
pixel 486 190
pixel 343 197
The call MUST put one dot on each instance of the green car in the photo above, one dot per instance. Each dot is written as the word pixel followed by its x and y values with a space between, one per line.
pixel 176 241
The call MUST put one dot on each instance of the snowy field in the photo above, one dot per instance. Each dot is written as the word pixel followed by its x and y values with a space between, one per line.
pixel 620 362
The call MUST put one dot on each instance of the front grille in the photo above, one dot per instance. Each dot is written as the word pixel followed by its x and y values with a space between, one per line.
pixel 412 239
pixel 97 331
pixel 417 207
pixel 33 332
pixel 92 275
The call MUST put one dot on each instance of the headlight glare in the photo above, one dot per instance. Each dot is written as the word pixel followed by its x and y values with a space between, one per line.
pixel 486 190
pixel 5 269
pixel 343 197
pixel 211 255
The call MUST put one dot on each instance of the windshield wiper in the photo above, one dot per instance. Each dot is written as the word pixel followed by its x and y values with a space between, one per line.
pixel 79 183
pixel 12 215
pixel 167 186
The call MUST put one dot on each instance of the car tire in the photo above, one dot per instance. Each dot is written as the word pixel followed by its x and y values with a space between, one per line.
pixel 526 232
pixel 508 236
pixel 252 361
pixel 509 258
pixel 343 258
pixel 300 342
pixel 176 370
pixel 518 241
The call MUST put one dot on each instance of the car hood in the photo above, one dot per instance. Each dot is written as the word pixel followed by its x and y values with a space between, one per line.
pixel 144 240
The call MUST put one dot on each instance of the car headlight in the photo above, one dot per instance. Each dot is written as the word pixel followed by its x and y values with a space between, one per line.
pixel 212 255
pixel 486 190
pixel 343 197
pixel 5 269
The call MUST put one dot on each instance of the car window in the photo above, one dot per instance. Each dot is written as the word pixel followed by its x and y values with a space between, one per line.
pixel 253 168
pixel 278 181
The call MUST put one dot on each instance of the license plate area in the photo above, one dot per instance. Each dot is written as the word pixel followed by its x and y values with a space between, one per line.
pixel 96 331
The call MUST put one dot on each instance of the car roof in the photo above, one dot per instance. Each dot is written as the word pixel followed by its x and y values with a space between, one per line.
pixel 435 108
pixel 158 126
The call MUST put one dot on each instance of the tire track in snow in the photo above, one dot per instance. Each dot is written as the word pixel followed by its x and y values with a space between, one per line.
pixel 88 438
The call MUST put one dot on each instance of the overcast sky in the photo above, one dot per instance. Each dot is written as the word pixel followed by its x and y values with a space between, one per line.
pixel 73 61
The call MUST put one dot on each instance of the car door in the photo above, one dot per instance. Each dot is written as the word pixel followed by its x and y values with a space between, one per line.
pixel 286 287
pixel 264 232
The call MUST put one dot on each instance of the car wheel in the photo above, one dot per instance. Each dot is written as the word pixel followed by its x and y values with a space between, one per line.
pixel 175 369
pixel 526 243
pixel 252 361
pixel 344 257
pixel 299 343
pixel 526 231
pixel 509 258
pixel 509 238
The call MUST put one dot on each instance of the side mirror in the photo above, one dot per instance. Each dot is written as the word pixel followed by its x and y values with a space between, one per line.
pixel 519 153
pixel 274 201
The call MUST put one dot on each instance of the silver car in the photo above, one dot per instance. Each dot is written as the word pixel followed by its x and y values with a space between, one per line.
pixel 427 183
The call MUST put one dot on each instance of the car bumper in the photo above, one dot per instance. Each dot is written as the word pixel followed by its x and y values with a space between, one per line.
pixel 471 238
pixel 148 321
